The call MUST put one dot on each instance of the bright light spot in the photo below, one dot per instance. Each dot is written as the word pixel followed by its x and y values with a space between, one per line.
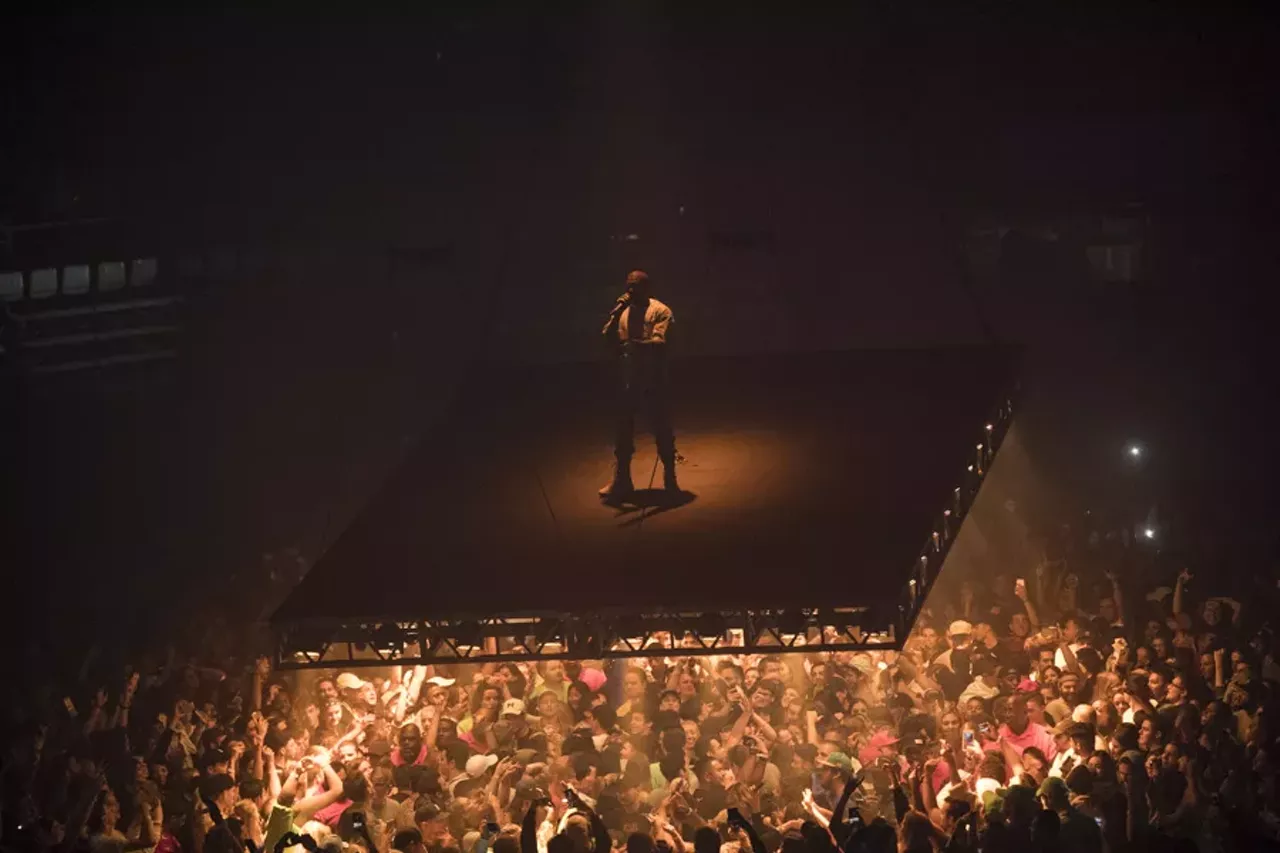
pixel 882 666
pixel 1149 532
pixel 631 238
pixel 1135 451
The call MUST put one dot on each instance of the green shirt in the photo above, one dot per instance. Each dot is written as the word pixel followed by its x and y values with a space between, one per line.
pixel 279 824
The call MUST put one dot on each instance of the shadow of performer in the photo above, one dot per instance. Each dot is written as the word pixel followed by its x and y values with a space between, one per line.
pixel 640 504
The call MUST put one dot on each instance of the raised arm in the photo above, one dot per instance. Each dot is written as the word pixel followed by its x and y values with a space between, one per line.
pixel 256 732
pixel 763 726
pixel 261 669
pixel 303 809
pixel 271 777
pixel 837 826
pixel 739 725
pixel 736 819
pixel 1033 616
pixel 529 828
pixel 1011 758
pixel 1069 657
pixel 1183 577
pixel 1117 595
pixel 415 686
pixel 353 734
pixel 433 727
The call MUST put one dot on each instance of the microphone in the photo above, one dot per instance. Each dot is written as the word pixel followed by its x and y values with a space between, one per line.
pixel 623 301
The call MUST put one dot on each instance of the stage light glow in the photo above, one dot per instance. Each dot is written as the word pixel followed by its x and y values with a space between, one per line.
pixel 1149 532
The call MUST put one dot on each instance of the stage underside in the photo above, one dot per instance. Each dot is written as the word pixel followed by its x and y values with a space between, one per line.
pixel 812 480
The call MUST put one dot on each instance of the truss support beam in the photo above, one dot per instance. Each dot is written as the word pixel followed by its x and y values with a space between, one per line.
pixel 876 625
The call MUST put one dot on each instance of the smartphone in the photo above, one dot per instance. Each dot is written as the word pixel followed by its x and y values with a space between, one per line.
pixel 69 705
pixel 968 738
pixel 357 821
pixel 942 749
pixel 984 728
pixel 492 828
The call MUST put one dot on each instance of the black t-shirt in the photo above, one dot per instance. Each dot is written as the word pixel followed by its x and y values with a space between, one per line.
pixel 710 798
pixel 224 838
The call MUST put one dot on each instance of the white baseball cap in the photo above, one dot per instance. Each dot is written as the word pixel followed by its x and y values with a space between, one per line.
pixel 350 681
pixel 478 764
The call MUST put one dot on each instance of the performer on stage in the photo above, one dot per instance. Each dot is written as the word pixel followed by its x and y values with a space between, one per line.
pixel 636 332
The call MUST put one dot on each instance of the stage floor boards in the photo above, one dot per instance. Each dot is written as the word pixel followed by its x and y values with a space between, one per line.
pixel 808 479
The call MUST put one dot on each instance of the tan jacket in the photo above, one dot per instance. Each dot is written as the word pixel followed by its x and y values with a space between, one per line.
pixel 657 320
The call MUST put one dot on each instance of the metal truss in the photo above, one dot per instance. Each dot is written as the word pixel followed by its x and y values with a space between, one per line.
pixel 563 636
pixel 934 553
pixel 880 625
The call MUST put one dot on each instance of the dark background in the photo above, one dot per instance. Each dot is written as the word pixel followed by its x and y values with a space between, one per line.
pixel 411 193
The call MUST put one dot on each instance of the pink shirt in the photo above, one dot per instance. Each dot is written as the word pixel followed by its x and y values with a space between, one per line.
pixel 1034 735
pixel 332 813
pixel 397 758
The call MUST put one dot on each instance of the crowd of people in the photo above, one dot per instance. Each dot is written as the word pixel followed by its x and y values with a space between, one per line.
pixel 1057 712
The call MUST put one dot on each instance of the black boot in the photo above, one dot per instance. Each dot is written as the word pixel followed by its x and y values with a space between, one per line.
pixel 669 473
pixel 620 485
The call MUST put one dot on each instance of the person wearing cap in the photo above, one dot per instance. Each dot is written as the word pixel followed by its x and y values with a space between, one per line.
pixel 829 777
pixel 985 684
pixel 882 744
pixel 636 331
pixel 218 791
pixel 476 769
pixel 953 666
pixel 1078 832
pixel 356 692
pixel 433 823
pixel 513 732
pixel 1066 755
pixel 453 769
pixel 1069 696
pixel 437 690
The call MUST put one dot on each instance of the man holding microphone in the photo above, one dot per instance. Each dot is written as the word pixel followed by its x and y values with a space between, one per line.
pixel 636 333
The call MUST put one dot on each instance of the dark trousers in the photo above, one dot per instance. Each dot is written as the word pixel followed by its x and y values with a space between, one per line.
pixel 642 387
